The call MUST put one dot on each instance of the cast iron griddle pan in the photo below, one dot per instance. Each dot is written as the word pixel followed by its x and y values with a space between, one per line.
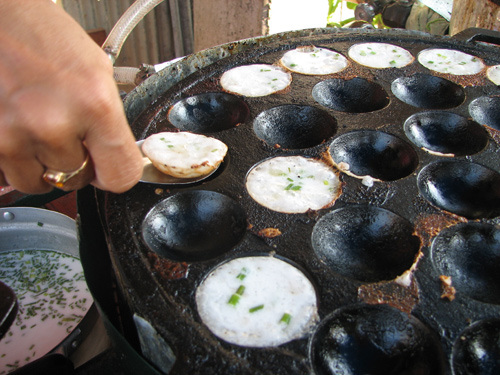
pixel 409 221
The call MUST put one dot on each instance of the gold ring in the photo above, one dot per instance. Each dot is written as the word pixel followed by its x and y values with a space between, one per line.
pixel 58 179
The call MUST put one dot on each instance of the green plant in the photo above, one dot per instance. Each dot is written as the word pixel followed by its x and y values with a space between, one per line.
pixel 333 6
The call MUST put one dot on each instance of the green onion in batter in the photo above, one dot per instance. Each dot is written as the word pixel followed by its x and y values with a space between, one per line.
pixel 256 308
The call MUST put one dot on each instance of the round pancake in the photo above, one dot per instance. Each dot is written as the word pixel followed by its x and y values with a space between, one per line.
pixel 184 154
pixel 493 74
pixel 293 184
pixel 255 80
pixel 380 55
pixel 313 61
pixel 258 301
pixel 450 61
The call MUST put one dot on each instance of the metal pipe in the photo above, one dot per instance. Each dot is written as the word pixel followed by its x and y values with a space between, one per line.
pixel 132 16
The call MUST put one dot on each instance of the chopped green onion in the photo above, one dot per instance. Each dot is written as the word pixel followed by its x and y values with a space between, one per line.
pixel 233 300
pixel 242 274
pixel 286 318
pixel 256 308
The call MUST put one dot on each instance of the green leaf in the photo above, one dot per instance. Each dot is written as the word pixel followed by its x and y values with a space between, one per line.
pixel 350 5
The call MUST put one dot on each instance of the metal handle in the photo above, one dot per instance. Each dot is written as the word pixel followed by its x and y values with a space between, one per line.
pixel 475 34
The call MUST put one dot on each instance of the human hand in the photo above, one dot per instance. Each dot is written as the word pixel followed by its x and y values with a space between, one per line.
pixel 58 103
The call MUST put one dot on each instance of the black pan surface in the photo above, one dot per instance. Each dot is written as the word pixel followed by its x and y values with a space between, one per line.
pixel 160 285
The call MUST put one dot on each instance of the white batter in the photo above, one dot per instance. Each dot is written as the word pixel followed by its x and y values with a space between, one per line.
pixel 184 154
pixel 257 301
pixel 255 80
pixel 450 61
pixel 313 60
pixel 380 55
pixel 292 184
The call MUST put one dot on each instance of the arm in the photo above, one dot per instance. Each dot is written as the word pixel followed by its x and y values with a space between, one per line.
pixel 58 102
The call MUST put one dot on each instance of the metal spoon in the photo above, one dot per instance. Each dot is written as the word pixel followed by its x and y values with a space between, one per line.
pixel 153 175
pixel 8 308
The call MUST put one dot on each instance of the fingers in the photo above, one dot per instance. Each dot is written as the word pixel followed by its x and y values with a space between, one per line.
pixel 58 129
pixel 30 182
pixel 71 180
pixel 110 142
pixel 58 104
pixel 58 137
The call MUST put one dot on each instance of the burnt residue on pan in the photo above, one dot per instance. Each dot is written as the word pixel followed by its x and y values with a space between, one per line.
pixel 431 181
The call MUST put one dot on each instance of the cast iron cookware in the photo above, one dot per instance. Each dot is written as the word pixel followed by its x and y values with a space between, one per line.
pixel 379 258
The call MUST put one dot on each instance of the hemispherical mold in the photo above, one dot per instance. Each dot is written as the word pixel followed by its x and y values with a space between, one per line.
pixel 470 253
pixel 357 95
pixel 373 153
pixel 477 349
pixel 446 133
pixel 461 187
pixel 484 110
pixel 294 126
pixel 194 226
pixel 365 243
pixel 376 340
pixel 208 112
pixel 427 91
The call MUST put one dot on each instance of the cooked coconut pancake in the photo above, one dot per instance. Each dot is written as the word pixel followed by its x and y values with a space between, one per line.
pixel 493 74
pixel 450 61
pixel 255 80
pixel 313 60
pixel 258 301
pixel 380 55
pixel 293 184
pixel 184 154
